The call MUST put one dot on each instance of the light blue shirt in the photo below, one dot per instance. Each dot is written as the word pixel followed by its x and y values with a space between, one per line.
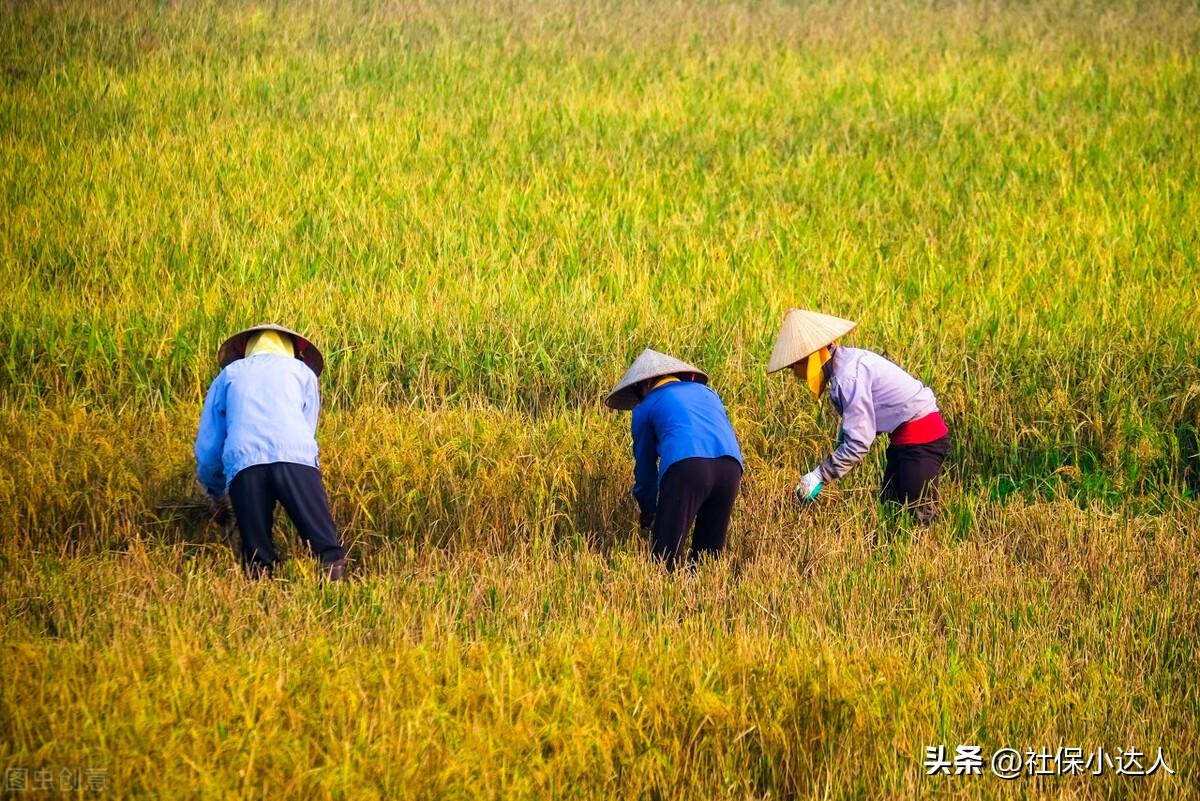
pixel 677 421
pixel 259 410
pixel 873 395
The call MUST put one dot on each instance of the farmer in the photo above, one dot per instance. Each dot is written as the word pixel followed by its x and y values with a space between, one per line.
pixel 873 396
pixel 256 445
pixel 687 464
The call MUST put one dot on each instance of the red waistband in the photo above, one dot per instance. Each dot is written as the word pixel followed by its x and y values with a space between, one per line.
pixel 920 431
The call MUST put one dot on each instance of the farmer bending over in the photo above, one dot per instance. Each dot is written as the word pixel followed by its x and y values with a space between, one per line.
pixel 257 442
pixel 873 396
pixel 687 464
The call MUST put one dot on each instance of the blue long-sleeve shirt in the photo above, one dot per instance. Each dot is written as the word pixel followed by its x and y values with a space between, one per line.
pixel 258 410
pixel 676 421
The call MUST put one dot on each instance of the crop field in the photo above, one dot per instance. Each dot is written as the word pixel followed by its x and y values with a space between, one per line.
pixel 481 212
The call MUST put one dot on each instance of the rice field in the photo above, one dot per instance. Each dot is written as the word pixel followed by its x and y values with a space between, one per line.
pixel 481 212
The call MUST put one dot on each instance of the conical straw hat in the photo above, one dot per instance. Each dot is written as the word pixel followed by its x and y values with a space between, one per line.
pixel 804 333
pixel 648 364
pixel 234 348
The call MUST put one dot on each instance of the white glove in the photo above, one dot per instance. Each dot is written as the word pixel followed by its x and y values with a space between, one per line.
pixel 809 486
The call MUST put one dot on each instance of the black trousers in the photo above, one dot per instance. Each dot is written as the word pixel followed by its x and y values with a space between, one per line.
pixel 699 490
pixel 254 493
pixel 910 476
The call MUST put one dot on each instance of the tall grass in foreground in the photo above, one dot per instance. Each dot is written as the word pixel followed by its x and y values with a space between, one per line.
pixel 809 664
pixel 481 212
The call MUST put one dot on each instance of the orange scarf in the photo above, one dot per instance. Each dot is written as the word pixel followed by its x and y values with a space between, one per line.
pixel 815 376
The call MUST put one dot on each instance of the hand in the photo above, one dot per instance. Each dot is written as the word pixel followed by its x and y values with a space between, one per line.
pixel 221 509
pixel 809 487
pixel 646 522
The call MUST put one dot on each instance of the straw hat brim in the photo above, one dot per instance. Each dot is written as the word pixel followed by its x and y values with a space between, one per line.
pixel 234 348
pixel 804 333
pixel 649 364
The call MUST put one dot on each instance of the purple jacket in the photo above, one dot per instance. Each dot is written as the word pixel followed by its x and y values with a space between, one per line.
pixel 873 396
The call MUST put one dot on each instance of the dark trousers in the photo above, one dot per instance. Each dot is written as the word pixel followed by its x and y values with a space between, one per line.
pixel 254 493
pixel 696 490
pixel 910 476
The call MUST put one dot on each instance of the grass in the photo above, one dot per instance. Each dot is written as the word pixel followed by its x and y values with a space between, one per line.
pixel 482 213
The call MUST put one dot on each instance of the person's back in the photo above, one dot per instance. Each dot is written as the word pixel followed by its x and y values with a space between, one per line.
pixel 271 412
pixel 894 394
pixel 687 420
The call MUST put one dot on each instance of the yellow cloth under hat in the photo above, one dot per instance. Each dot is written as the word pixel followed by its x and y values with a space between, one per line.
pixel 667 379
pixel 815 376
pixel 270 342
